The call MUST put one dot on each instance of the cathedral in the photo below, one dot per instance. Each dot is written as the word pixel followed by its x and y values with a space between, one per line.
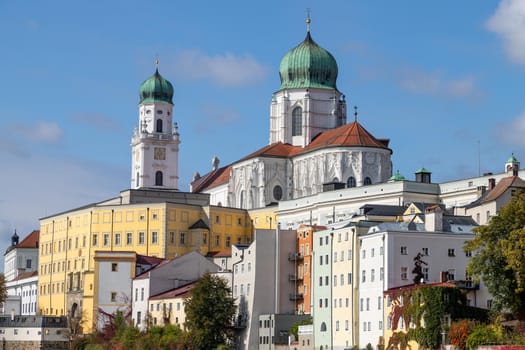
pixel 311 146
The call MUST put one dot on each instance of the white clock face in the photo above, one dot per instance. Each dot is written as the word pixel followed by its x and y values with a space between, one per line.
pixel 370 158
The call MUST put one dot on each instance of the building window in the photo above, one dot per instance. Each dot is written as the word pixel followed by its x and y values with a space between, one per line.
pixel 367 304
pixel 368 181
pixel 362 304
pixel 159 124
pixel 363 276
pixel 403 250
pixel 278 193
pixel 451 252
pixel 349 278
pixel 158 178
pixel 117 239
pixel 113 297
pixel 182 238
pixel 451 274
pixel 363 254
pixel 297 121
pixel 95 240
pixel 154 238
pixel 372 275
pixel 350 182
pixel 141 238
pixel 228 241
pixel 381 273
pixel 323 327
pixel 106 239
pixel 114 267
pixel 404 273
pixel 129 238
pixel 335 280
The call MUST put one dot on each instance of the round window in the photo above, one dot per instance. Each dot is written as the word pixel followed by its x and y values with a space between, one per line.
pixel 278 193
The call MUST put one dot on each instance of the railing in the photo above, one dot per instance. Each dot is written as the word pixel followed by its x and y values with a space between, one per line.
pixel 466 284
pixel 296 296
pixel 293 277
pixel 295 256
pixel 240 321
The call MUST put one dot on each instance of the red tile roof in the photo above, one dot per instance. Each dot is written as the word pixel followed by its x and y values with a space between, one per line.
pixel 221 254
pixel 148 260
pixel 213 178
pixel 26 275
pixel 30 241
pixel 421 285
pixel 502 186
pixel 352 134
pixel 179 292
pixel 348 135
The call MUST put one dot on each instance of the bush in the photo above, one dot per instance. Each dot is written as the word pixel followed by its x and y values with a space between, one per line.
pixel 485 334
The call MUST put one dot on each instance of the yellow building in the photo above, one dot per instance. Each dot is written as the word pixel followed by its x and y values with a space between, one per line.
pixel 152 222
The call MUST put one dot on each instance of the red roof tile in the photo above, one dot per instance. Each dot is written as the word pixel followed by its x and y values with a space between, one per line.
pixel 502 186
pixel 179 292
pixel 278 149
pixel 352 134
pixel 30 241
pixel 213 178
pixel 25 275
pixel 221 254
pixel 148 260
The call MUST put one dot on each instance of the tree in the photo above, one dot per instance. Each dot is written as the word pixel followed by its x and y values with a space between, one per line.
pixel 3 289
pixel 498 259
pixel 209 313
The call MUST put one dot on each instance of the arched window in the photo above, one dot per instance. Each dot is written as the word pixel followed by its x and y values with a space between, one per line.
pixel 368 181
pixel 278 193
pixel 323 327
pixel 159 125
pixel 350 182
pixel 297 121
pixel 158 178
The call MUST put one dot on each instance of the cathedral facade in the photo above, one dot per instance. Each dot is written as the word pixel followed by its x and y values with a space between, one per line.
pixel 311 146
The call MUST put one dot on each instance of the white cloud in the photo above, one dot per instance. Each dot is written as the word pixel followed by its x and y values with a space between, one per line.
pixel 512 132
pixel 509 23
pixel 47 132
pixel 436 84
pixel 226 69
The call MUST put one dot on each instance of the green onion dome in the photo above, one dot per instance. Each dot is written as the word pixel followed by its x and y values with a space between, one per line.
pixel 308 66
pixel 512 159
pixel 396 177
pixel 156 89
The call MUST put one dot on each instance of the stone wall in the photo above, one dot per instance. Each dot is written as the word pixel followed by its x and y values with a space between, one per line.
pixel 34 345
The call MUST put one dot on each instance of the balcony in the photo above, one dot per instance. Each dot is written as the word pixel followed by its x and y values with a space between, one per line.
pixel 467 285
pixel 296 296
pixel 293 277
pixel 295 256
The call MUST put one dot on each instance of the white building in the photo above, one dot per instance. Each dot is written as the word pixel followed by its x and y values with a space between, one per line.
pixel 21 257
pixel 260 282
pixel 22 294
pixel 311 145
pixel 386 260
pixel 166 276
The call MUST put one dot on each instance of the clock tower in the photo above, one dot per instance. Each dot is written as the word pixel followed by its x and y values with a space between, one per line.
pixel 155 141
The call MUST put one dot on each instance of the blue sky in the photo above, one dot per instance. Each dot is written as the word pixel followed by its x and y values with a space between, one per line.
pixel 437 78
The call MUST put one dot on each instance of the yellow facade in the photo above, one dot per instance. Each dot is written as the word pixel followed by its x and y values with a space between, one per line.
pixel 168 311
pixel 264 218
pixel 164 229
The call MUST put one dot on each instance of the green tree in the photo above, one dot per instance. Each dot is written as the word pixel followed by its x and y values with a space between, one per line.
pixel 498 259
pixel 3 289
pixel 209 313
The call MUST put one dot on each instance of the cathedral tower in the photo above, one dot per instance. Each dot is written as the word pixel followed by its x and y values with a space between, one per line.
pixel 308 101
pixel 155 143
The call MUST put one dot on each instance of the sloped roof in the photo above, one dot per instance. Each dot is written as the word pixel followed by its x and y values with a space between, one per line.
pixel 148 260
pixel 382 209
pixel 145 273
pixel 199 224
pixel 413 286
pixel 213 178
pixel 502 186
pixel 219 254
pixel 277 149
pixel 349 135
pixel 30 241
pixel 179 292
pixel 25 275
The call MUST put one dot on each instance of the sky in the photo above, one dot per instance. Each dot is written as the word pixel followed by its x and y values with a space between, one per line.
pixel 443 80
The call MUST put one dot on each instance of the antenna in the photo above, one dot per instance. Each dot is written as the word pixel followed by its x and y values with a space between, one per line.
pixel 355 114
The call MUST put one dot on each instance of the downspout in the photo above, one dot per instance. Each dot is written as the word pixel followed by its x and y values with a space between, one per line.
pixel 51 265
pixel 147 231
pixel 65 272
pixel 331 287
pixel 112 223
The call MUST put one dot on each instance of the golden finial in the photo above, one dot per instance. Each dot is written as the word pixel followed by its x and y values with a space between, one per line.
pixel 308 21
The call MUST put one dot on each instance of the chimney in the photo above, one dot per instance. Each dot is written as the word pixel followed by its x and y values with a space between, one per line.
pixel 492 183
pixel 434 219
